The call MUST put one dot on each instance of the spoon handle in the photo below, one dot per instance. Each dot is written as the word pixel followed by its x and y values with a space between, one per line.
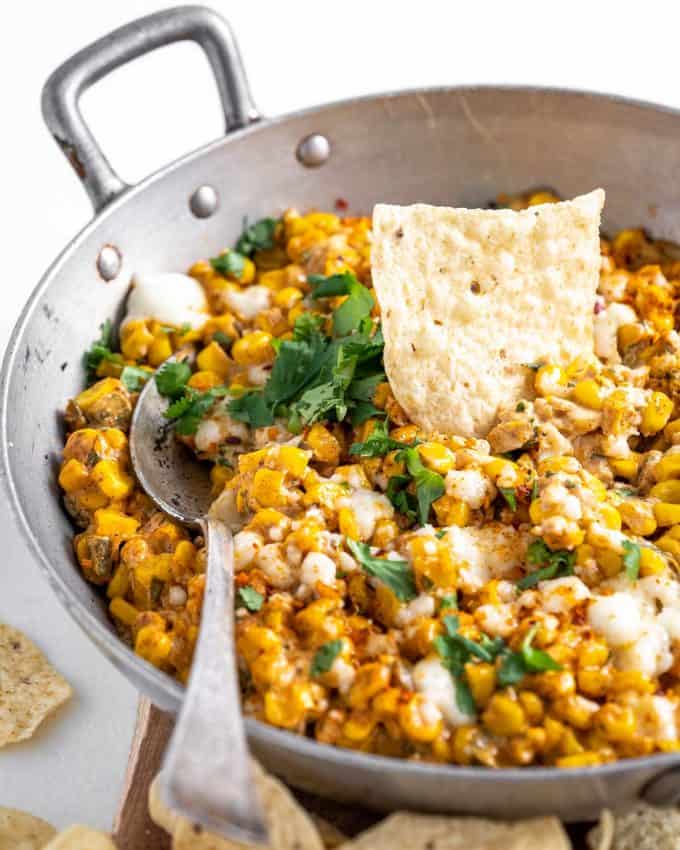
pixel 206 773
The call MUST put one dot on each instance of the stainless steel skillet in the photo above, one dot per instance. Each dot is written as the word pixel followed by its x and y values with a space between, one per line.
pixel 458 146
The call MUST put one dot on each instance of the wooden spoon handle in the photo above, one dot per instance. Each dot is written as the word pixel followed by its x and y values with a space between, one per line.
pixel 133 828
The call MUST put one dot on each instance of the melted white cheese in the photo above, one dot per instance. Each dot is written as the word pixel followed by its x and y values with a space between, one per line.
pixel 436 684
pixel 170 298
pixel 248 302
pixel 485 553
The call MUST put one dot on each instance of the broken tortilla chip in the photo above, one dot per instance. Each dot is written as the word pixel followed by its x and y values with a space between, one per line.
pixel 21 831
pixel 81 838
pixel 404 831
pixel 30 688
pixel 469 298
pixel 289 825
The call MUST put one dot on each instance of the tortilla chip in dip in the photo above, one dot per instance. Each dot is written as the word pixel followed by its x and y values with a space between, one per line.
pixel 81 838
pixel 21 831
pixel 289 825
pixel 404 831
pixel 30 688
pixel 468 298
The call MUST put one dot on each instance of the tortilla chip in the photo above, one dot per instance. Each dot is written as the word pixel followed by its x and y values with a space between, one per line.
pixel 21 831
pixel 640 827
pixel 469 297
pixel 404 831
pixel 331 836
pixel 81 838
pixel 290 827
pixel 29 688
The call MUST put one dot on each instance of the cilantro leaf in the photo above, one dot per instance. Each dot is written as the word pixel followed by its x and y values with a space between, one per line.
pixel 377 444
pixel 557 564
pixel 229 263
pixel 397 575
pixel 528 660
pixel 508 493
pixel 362 411
pixel 325 656
pixel 172 377
pixel 429 485
pixel 257 237
pixel 133 378
pixel 357 307
pixel 449 601
pixel 307 325
pixel 251 408
pixel 100 350
pixel 187 412
pixel 404 502
pixel 250 598
pixel 631 560
pixel 223 340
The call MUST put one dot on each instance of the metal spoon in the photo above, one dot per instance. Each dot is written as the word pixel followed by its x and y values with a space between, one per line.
pixel 206 773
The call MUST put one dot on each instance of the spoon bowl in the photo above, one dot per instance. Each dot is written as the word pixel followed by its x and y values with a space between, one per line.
pixel 206 774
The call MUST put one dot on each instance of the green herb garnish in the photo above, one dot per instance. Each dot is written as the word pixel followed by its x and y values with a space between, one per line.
pixel 355 309
pixel 631 560
pixel 377 444
pixel 229 263
pixel 100 350
pixel 250 598
pixel 172 377
pixel 528 660
pixel 429 485
pixel 551 564
pixel 508 493
pixel 257 237
pixel 224 340
pixel 397 575
pixel 325 656
pixel 188 411
pixel 133 378
pixel 448 601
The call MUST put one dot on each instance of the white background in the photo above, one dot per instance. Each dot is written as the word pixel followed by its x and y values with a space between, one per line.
pixel 297 54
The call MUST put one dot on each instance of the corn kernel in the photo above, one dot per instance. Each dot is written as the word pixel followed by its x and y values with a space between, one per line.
pixel 616 721
pixel 213 358
pixel 110 479
pixel 532 705
pixel 667 467
pixel 588 393
pixel 639 516
pixel 667 491
pixel 666 513
pixel 73 475
pixel 287 297
pixel 347 523
pixel 504 716
pixel 370 680
pixel 153 645
pixel 323 444
pixel 119 583
pixel 293 460
pixel 205 380
pixel 550 380
pixel 651 562
pixel 123 611
pixel 96 392
pixel 109 523
pixel 450 511
pixel 610 517
pixel 625 467
pixel 415 720
pixel 159 350
pixel 482 681
pixel 437 457
pixel 135 339
pixel 253 349
pixel 656 414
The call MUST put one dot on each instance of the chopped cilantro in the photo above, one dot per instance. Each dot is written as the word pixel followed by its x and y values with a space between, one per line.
pixel 251 408
pixel 325 656
pixel 528 660
pixel 377 444
pixel 631 560
pixel 307 325
pixel 448 601
pixel 100 350
pixel 455 652
pixel 250 598
pixel 185 328
pixel 133 378
pixel 520 407
pixel 172 377
pixel 404 501
pixel 429 485
pixel 397 575
pixel 508 493
pixel 441 533
pixel 552 564
pixel 356 307
pixel 229 263
pixel 257 237
pixel 534 489
pixel 224 340
pixel 188 411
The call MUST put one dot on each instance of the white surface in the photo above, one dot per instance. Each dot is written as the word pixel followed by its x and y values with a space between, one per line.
pixel 296 55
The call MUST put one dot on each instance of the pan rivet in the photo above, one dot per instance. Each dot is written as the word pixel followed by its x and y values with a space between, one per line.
pixel 109 262
pixel 204 202
pixel 313 150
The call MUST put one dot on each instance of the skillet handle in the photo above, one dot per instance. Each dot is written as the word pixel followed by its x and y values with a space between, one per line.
pixel 62 91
